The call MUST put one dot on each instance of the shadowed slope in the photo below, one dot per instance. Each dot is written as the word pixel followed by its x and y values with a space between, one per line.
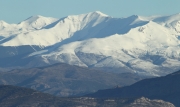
pixel 66 80
pixel 166 88
pixel 12 96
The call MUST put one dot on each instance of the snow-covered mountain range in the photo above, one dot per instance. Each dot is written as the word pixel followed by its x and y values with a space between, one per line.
pixel 138 44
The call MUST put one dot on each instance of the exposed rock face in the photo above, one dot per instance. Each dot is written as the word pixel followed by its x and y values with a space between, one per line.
pixel 115 102
pixel 145 102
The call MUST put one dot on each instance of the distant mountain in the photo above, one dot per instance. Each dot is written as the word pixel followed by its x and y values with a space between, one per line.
pixel 12 96
pixel 66 80
pixel 166 88
pixel 137 44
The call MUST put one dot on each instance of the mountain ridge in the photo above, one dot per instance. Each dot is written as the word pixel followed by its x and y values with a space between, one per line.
pixel 66 80
pixel 144 45
pixel 12 96
pixel 165 88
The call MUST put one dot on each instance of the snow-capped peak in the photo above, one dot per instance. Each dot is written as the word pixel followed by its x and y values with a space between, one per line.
pixel 35 17
pixel 90 15
pixel 37 22
pixel 3 23
pixel 32 19
pixel 98 13
pixel 134 16
pixel 94 39
pixel 167 19
pixel 137 17
pixel 171 21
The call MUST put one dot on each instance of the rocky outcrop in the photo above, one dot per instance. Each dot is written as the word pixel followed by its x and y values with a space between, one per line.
pixel 145 102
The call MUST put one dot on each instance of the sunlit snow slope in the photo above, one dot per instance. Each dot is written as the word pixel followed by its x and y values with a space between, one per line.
pixel 143 45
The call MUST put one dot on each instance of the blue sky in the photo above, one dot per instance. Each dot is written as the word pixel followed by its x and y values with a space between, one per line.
pixel 14 11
